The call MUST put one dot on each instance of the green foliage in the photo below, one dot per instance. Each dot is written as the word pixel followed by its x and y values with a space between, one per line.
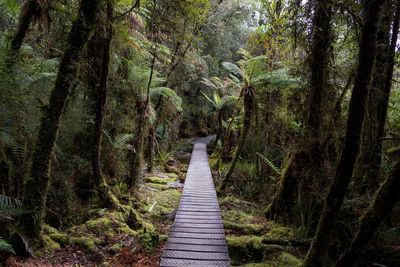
pixel 269 163
pixel 10 207
pixel 5 246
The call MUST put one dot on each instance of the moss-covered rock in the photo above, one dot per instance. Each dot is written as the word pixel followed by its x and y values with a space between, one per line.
pixel 89 243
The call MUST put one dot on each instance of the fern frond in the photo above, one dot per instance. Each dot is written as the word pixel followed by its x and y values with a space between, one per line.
pixel 5 246
pixel 10 207
pixel 269 163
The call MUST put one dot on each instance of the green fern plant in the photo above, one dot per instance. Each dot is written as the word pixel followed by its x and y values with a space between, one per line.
pixel 269 163
pixel 6 247
pixel 10 207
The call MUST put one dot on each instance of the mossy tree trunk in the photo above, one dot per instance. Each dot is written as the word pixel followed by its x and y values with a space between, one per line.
pixel 136 155
pixel 105 32
pixel 387 196
pixel 27 12
pixel 150 149
pixel 304 170
pixel 317 253
pixel 370 160
pixel 249 102
pixel 36 185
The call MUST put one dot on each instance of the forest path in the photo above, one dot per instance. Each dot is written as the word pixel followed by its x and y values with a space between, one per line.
pixel 197 236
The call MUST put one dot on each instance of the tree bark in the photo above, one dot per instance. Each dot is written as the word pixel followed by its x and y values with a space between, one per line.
pixel 304 170
pixel 150 149
pixel 317 254
pixel 36 185
pixel 136 156
pixel 384 201
pixel 105 195
pixel 27 12
pixel 369 163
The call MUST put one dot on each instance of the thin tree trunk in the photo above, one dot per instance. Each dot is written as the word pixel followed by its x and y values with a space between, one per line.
pixel 36 185
pixel 105 195
pixel 150 149
pixel 248 109
pixel 384 201
pixel 25 19
pixel 219 131
pixel 317 254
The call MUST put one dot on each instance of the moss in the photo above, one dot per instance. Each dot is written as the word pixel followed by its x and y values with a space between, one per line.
pixel 278 231
pixel 49 245
pixel 116 248
pixel 160 180
pixel 90 243
pixel 243 248
pixel 99 224
pixel 125 229
pixel 167 201
pixel 239 217
pixel 172 175
pixel 286 259
pixel 247 229
pixel 258 265
pixel 61 238
pixel 149 240
pixel 156 186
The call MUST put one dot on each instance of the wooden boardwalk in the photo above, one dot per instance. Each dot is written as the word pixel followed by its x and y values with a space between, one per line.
pixel 197 237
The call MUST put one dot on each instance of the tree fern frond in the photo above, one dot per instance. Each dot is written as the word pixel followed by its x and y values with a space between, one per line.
pixel 233 68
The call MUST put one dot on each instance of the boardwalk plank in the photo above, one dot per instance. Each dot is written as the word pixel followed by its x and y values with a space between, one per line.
pixel 197 237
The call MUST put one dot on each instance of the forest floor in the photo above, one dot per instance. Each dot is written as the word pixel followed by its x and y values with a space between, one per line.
pixel 111 238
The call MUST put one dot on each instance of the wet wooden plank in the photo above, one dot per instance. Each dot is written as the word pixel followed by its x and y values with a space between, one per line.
pixel 197 237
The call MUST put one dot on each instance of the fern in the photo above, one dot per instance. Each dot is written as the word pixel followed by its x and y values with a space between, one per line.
pixel 269 163
pixel 10 207
pixel 122 140
pixel 5 246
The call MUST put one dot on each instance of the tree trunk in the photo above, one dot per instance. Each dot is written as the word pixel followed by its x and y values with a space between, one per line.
pixel 248 110
pixel 136 157
pixel 106 197
pixel 369 163
pixel 317 254
pixel 36 185
pixel 304 170
pixel 150 149
pixel 219 130
pixel 384 201
pixel 27 12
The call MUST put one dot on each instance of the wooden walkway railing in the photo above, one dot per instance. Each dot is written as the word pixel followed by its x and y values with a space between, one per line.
pixel 197 237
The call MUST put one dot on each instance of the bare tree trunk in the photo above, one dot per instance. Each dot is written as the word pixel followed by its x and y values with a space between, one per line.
pixel 105 195
pixel 384 201
pixel 25 19
pixel 317 254
pixel 36 185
